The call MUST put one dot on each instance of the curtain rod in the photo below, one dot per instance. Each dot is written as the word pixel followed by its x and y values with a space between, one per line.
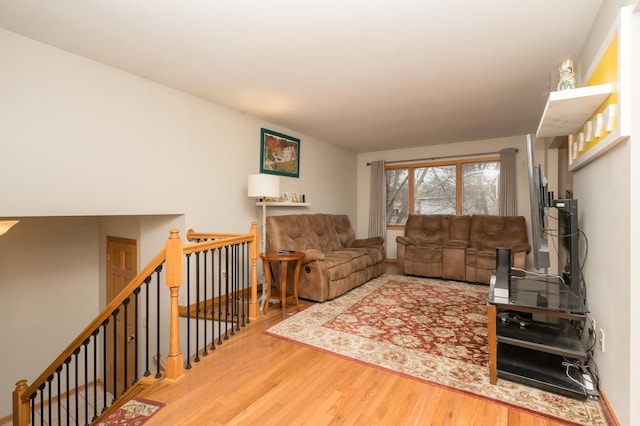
pixel 444 157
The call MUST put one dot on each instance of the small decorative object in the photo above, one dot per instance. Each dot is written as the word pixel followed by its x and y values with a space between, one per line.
pixel 598 125
pixel 588 131
pixel 279 154
pixel 285 197
pixel 294 197
pixel 609 117
pixel 567 76
pixel 581 142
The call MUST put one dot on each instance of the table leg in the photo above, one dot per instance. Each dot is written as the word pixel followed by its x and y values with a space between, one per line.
pixel 267 279
pixel 295 283
pixel 493 344
pixel 283 287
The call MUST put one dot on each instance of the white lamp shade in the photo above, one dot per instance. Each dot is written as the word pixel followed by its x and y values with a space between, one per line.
pixel 262 185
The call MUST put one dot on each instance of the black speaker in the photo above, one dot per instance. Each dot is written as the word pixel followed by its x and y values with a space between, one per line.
pixel 503 268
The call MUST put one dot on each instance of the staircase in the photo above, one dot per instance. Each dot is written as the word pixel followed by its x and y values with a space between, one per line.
pixel 121 349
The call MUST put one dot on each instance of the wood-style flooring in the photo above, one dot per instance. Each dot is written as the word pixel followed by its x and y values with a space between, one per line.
pixel 256 379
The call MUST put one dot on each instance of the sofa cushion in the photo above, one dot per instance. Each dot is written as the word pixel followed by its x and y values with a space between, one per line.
pixel 427 229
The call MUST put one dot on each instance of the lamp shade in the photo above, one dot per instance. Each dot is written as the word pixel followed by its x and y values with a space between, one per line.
pixel 262 185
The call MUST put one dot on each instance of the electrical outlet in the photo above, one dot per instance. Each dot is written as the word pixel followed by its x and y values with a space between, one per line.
pixel 601 339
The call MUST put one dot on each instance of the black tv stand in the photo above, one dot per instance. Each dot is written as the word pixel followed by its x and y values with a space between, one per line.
pixel 544 349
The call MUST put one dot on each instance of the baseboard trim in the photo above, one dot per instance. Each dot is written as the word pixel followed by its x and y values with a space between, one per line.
pixel 612 418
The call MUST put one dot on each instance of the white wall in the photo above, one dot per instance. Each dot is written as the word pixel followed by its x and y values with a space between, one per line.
pixel 136 158
pixel 608 192
pixel 42 262
pixel 74 128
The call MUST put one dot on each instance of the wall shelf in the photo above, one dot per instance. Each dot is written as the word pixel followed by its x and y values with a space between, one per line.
pixel 566 111
pixel 279 204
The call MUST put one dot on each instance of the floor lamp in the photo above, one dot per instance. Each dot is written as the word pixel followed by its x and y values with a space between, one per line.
pixel 261 186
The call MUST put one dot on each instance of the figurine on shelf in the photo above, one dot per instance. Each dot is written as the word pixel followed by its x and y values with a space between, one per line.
pixel 567 76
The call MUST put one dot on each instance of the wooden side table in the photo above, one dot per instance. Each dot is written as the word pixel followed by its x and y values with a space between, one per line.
pixel 282 259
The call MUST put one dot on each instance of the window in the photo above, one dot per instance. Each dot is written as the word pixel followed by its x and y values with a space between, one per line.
pixel 460 187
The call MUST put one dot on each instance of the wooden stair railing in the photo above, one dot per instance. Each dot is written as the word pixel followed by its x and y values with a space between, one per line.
pixel 172 258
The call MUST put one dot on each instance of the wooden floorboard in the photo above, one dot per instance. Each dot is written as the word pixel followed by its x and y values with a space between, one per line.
pixel 255 378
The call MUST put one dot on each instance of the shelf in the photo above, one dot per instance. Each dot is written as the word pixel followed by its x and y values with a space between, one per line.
pixel 560 339
pixel 539 369
pixel 279 204
pixel 567 110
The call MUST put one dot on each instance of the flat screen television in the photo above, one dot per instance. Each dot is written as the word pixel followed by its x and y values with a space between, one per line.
pixel 540 202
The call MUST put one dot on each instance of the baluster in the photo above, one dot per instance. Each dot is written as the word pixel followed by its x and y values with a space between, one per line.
pixel 32 403
pixel 136 331
pixel 58 370
pixel 158 269
pixel 147 282
pixel 75 393
pixel 67 380
pixel 204 301
pixel 86 380
pixel 226 292
pixel 197 357
pixel 115 314
pixel 125 344
pixel 220 268
pixel 41 393
pixel 49 390
pixel 95 374
pixel 104 364
pixel 188 365
pixel 213 298
pixel 234 308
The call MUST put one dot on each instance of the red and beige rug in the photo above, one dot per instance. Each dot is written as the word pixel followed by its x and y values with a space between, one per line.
pixel 134 413
pixel 428 329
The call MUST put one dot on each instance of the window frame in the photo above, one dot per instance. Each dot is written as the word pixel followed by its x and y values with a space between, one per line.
pixel 459 182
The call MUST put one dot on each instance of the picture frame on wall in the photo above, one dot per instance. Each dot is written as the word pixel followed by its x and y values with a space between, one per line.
pixel 279 154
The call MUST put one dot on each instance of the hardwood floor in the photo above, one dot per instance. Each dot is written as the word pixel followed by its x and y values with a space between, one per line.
pixel 258 379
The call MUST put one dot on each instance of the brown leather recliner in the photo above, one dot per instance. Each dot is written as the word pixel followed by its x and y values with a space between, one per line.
pixel 335 260
pixel 487 233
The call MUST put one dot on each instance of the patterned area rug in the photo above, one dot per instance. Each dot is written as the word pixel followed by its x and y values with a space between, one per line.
pixel 135 412
pixel 428 329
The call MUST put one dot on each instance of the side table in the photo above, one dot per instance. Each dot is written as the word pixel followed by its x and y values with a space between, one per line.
pixel 281 260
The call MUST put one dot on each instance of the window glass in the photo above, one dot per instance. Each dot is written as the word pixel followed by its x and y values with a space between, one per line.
pixel 480 188
pixel 435 190
pixel 459 187
pixel 397 196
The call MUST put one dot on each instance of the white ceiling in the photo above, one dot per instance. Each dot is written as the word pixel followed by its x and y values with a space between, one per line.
pixel 366 75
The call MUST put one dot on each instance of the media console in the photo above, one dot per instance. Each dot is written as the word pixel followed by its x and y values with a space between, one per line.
pixel 533 338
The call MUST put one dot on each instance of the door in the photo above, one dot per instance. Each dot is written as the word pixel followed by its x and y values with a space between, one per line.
pixel 122 267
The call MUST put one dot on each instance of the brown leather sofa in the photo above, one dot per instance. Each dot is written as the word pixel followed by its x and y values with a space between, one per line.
pixel 461 248
pixel 335 261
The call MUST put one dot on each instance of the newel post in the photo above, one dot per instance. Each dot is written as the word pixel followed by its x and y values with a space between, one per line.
pixel 173 256
pixel 253 254
pixel 20 407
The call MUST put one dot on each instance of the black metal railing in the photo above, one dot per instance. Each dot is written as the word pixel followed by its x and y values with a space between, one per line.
pixel 103 363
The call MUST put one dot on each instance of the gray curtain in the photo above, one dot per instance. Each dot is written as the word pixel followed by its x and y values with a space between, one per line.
pixel 378 201
pixel 507 183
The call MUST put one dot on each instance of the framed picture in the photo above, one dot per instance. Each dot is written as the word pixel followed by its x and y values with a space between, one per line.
pixel 279 154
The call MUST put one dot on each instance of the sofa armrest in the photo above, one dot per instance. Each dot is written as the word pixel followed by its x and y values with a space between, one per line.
pixel 521 247
pixel 312 254
pixel 368 242
pixel 456 244
pixel 405 241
